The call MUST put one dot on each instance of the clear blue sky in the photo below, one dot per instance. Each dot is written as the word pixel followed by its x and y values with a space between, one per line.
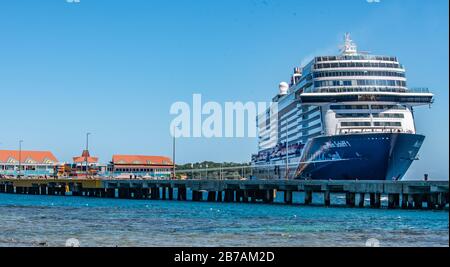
pixel 115 67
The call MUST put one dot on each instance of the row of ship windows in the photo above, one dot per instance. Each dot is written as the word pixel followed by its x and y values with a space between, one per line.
pixel 305 134
pixel 360 89
pixel 367 115
pixel 358 73
pixel 379 107
pixel 357 65
pixel 359 83
pixel 306 118
pixel 304 112
pixel 304 129
pixel 357 57
pixel 368 123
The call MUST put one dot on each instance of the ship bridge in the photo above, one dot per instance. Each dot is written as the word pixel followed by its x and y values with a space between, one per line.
pixel 355 76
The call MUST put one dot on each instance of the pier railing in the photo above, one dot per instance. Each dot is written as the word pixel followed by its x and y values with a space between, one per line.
pixel 245 172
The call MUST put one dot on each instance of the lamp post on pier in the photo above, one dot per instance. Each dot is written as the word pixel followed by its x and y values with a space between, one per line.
pixel 86 154
pixel 174 154
pixel 20 158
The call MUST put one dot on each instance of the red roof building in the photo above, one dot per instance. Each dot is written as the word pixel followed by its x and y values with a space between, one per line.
pixel 85 156
pixel 78 167
pixel 141 166
pixel 36 157
pixel 32 163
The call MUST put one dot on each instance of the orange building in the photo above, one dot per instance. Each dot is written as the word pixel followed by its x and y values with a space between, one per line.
pixel 141 166
pixel 85 156
pixel 78 167
pixel 27 163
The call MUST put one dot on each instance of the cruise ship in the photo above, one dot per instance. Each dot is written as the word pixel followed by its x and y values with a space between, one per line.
pixel 343 117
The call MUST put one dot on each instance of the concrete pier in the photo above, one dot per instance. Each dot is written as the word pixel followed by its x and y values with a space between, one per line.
pixel 400 194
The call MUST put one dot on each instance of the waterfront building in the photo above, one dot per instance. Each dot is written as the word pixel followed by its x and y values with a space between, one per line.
pixel 78 166
pixel 27 163
pixel 132 166
pixel 80 162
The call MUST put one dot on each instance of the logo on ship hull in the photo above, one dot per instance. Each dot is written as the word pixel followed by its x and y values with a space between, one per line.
pixel 337 144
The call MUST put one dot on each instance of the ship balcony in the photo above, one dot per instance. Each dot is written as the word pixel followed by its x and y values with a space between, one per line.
pixel 370 89
pixel 413 97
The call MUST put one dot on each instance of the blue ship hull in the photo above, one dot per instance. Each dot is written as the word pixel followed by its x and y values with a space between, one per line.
pixel 372 156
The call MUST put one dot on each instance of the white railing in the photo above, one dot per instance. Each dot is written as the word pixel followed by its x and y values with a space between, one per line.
pixel 247 172
pixel 351 130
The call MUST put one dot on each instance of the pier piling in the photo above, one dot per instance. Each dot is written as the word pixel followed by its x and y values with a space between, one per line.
pixel 362 200
pixel 418 201
pixel 197 195
pixel 375 200
pixel 245 196
pixel 442 200
pixel 43 189
pixel 211 196
pixel 164 192
pixel 308 197
pixel 350 199
pixel 229 195
pixel 219 196
pixel 170 189
pixel 392 201
pixel 288 197
pixel 327 198
pixel 10 188
pixel 182 194
pixel 269 195
pixel 410 201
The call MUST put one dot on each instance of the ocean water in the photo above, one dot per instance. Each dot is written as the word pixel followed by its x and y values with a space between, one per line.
pixel 52 220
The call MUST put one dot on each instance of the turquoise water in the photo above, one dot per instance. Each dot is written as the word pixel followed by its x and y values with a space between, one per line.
pixel 50 220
